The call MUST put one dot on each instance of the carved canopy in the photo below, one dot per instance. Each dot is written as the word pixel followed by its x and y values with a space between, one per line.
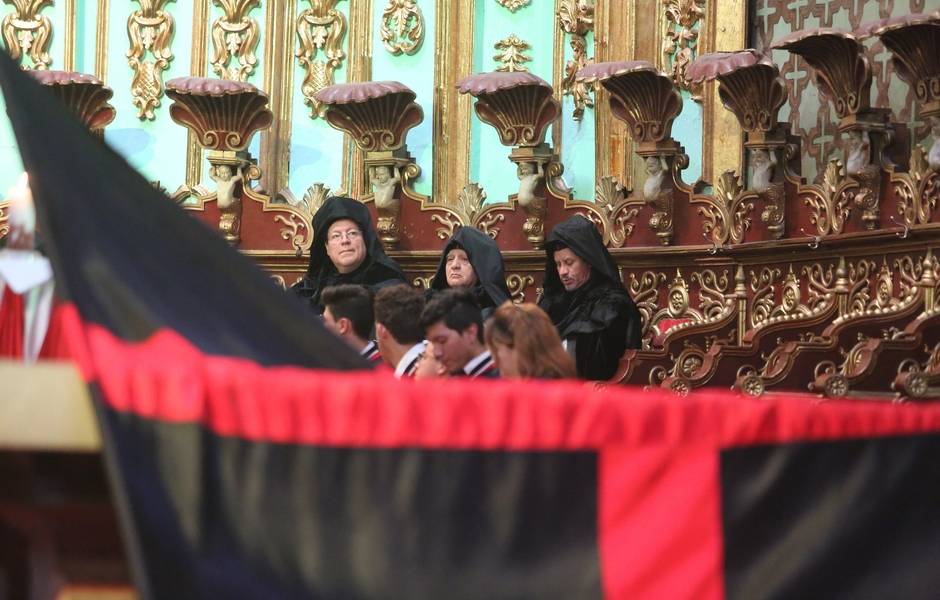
pixel 223 114
pixel 377 114
pixel 518 104
pixel 85 95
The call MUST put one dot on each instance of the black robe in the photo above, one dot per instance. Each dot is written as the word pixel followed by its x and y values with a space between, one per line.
pixel 490 289
pixel 598 320
pixel 376 271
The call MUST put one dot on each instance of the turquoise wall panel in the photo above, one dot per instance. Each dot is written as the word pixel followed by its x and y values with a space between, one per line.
pixel 687 130
pixel 578 139
pixel 156 148
pixel 534 24
pixel 317 149
pixel 417 72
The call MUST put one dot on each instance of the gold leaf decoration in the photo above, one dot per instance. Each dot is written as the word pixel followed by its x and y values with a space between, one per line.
pixel 576 17
pixel 402 27
pixel 510 54
pixel 320 30
pixel 235 36
pixel 680 40
pixel 28 33
pixel 150 30
pixel 513 5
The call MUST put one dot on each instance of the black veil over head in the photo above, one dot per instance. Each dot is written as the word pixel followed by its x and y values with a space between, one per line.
pixel 487 262
pixel 377 270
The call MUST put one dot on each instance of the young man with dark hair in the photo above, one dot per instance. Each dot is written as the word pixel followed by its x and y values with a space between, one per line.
pixel 398 332
pixel 453 324
pixel 347 312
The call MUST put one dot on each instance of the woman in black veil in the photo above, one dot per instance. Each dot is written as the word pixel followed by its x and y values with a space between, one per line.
pixel 585 299
pixel 346 250
pixel 471 259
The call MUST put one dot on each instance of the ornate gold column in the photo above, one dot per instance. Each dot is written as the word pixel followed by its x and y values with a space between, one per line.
pixel 278 82
pixel 197 67
pixel 359 70
pixel 453 59
pixel 101 41
pixel 725 29
pixel 614 40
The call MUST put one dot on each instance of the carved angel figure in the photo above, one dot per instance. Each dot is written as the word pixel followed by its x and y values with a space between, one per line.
pixel 857 146
pixel 225 182
pixel 763 164
pixel 655 172
pixel 383 184
pixel 530 174
pixel 933 157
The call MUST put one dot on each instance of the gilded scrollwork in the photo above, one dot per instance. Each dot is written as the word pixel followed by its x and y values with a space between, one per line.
pixel 762 301
pixel 576 17
pixel 517 284
pixel 513 5
pixel 613 211
pixel 4 219
pixel 402 27
pixel 279 280
pixel 727 213
pixel 320 29
pixel 26 32
pixel 644 289
pixel 511 54
pixel 150 30
pixel 423 283
pixel 713 293
pixel 296 230
pixel 235 37
pixel 469 210
pixel 831 202
pixel 683 21
pixel 918 191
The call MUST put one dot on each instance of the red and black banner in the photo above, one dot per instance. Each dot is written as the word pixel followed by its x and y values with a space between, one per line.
pixel 250 462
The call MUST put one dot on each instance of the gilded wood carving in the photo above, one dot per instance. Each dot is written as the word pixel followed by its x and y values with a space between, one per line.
pixel 513 5
pixel 576 17
pixel 150 30
pixel 28 33
pixel 683 21
pixel 402 27
pixel 320 31
pixel 511 54
pixel 235 38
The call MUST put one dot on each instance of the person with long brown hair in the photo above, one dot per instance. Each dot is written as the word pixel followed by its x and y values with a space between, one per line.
pixel 525 343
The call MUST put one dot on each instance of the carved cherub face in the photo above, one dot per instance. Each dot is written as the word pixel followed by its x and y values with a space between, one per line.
pixel 760 159
pixel 526 169
pixel 854 141
pixel 382 174
pixel 223 172
pixel 654 165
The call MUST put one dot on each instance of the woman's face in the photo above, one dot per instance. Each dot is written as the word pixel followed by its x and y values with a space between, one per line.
pixel 505 358
pixel 458 269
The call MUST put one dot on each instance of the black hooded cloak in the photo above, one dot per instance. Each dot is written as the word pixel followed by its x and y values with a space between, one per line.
pixel 599 320
pixel 490 289
pixel 376 271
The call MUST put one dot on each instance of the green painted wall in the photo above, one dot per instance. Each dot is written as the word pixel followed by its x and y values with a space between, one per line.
pixel 535 24
pixel 417 72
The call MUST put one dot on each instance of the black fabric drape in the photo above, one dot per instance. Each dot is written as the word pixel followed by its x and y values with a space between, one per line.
pixel 490 290
pixel 376 271
pixel 599 318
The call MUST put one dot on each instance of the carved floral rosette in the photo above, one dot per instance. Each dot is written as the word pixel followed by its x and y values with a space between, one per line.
pixel 222 114
pixel 915 42
pixel 640 95
pixel 750 87
pixel 84 95
pixel 518 104
pixel 376 114
pixel 838 58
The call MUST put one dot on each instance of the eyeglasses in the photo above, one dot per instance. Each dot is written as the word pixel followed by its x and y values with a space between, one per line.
pixel 337 236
